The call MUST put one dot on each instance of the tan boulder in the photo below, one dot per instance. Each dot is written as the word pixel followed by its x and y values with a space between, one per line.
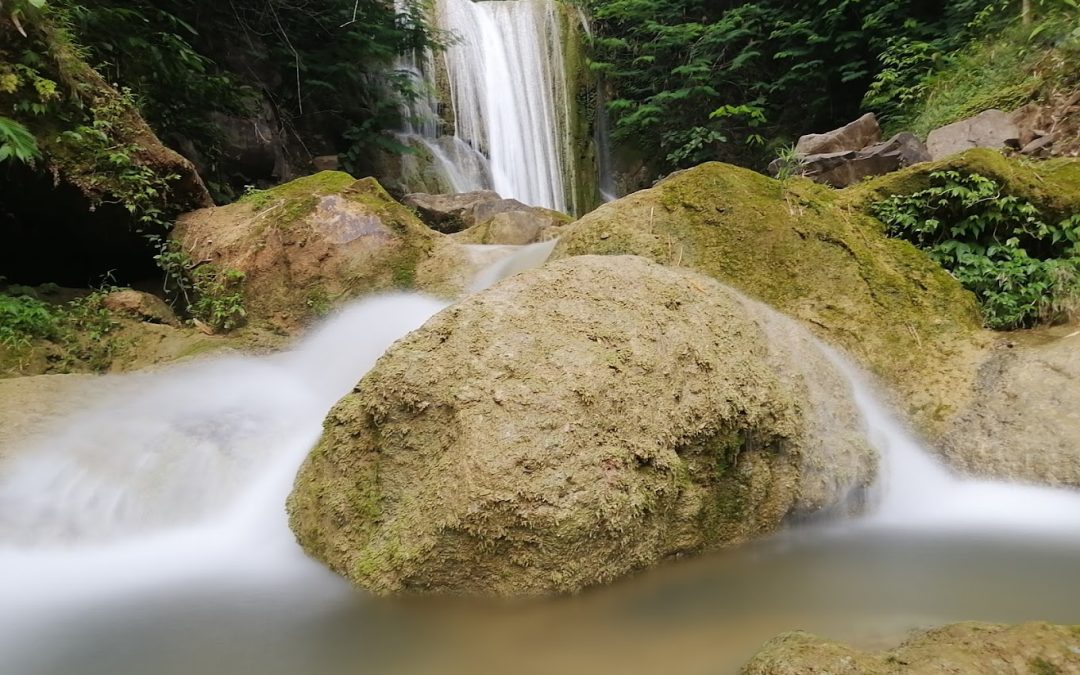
pixel 573 424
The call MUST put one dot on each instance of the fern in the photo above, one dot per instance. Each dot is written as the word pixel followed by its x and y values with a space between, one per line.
pixel 16 142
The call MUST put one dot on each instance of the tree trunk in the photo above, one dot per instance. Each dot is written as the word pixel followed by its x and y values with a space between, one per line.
pixel 1025 12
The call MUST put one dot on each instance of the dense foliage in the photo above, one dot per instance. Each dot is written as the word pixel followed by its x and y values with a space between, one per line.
pixel 1022 267
pixel 699 79
pixel 323 66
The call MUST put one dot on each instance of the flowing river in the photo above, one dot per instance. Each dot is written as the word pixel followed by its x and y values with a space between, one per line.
pixel 146 533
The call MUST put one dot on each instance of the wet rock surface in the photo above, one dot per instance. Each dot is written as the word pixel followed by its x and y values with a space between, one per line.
pixel 570 425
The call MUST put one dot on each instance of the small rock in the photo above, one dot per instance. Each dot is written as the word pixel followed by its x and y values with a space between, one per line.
pixel 326 163
pixel 1039 146
pixel 142 306
pixel 854 136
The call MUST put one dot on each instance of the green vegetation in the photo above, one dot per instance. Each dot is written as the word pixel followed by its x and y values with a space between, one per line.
pixel 698 80
pixel 81 328
pixel 206 292
pixel 324 68
pixel 1005 66
pixel 16 142
pixel 1023 266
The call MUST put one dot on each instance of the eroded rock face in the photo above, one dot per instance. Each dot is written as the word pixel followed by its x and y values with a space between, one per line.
pixel 853 136
pixel 311 243
pixel 1024 424
pixel 989 129
pixel 570 425
pixel 963 648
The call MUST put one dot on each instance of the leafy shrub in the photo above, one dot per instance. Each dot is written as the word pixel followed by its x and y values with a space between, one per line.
pixel 1022 268
pixel 16 142
pixel 206 292
pixel 219 297
pixel 23 318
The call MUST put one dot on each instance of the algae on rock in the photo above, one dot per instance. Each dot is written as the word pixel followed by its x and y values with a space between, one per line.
pixel 573 424
pixel 808 251
pixel 312 242
pixel 1025 649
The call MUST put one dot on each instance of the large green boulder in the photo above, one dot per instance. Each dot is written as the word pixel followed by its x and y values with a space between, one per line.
pixel 808 251
pixel 572 424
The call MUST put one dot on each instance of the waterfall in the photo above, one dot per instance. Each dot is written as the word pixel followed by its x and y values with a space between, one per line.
pixel 508 92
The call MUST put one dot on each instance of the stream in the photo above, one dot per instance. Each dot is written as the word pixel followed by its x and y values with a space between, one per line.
pixel 147 534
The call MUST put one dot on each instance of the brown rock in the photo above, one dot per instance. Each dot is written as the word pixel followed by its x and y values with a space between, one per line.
pixel 143 306
pixel 841 169
pixel 326 163
pixel 451 212
pixel 853 136
pixel 308 244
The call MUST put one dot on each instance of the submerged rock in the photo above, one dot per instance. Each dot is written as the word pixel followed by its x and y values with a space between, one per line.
pixel 813 253
pixel 570 425
pixel 963 648
pixel 306 245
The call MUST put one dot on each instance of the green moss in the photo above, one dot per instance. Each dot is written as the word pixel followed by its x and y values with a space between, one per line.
pixel 809 251
pixel 1053 185
pixel 1041 666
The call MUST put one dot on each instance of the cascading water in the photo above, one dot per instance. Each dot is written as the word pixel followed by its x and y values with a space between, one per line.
pixel 147 534
pixel 508 93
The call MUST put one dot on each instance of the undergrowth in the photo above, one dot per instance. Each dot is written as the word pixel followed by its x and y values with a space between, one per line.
pixel 1023 265
pixel 82 328
pixel 206 292
pixel 1004 66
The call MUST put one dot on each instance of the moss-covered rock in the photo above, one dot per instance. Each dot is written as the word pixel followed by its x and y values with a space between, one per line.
pixel 1052 185
pixel 91 136
pixel 806 250
pixel 963 648
pixel 306 245
pixel 570 425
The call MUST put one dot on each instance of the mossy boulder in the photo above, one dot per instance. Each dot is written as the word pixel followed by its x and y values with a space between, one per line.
pixel 570 425
pixel 1052 185
pixel 806 250
pixel 963 648
pixel 309 244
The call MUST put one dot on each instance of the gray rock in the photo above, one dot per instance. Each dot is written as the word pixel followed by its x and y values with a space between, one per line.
pixel 1024 424
pixel 854 136
pixel 989 129
pixel 1040 146
pixel 841 169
